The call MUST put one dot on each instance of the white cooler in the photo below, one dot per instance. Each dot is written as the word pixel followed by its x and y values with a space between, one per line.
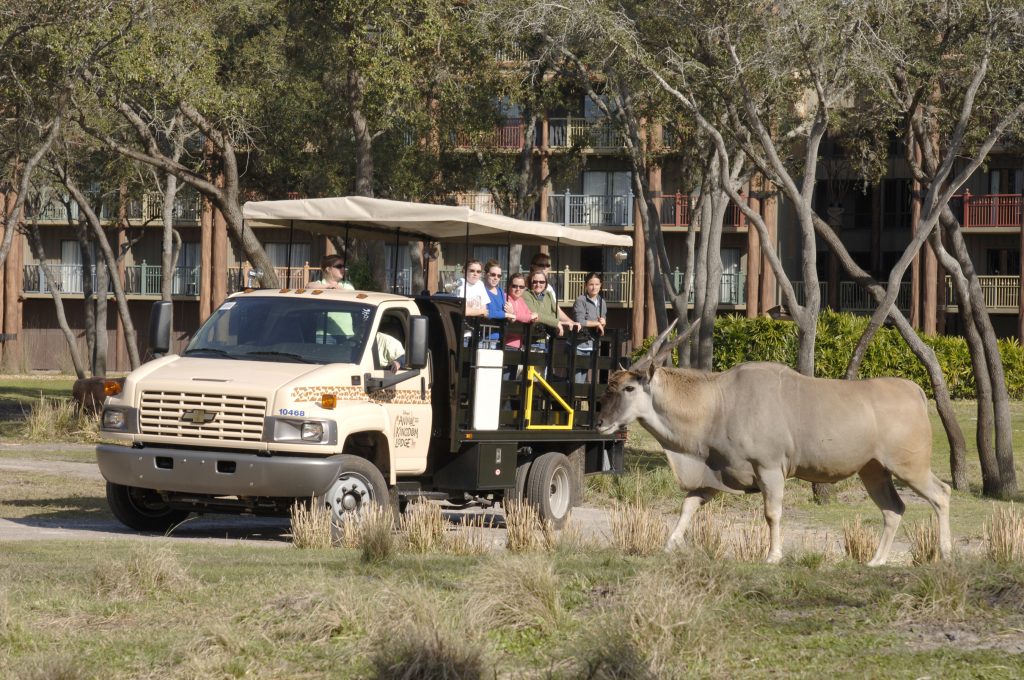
pixel 487 389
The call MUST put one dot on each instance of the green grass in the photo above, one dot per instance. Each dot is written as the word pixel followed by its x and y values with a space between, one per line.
pixel 18 394
pixel 236 610
pixel 91 609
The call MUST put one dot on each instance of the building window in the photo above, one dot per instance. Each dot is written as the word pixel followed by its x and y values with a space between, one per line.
pixel 896 204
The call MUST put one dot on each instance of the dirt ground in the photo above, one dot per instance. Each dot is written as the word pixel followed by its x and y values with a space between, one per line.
pixel 269 531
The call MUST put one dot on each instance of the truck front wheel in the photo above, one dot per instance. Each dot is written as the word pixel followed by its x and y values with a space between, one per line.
pixel 549 488
pixel 359 485
pixel 142 509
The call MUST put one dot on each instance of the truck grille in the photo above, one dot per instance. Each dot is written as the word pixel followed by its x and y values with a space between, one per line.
pixel 203 416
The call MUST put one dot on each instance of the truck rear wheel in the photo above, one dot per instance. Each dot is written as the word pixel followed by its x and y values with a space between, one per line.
pixel 549 488
pixel 142 509
pixel 359 485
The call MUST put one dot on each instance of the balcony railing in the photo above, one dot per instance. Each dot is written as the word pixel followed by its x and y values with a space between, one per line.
pixel 591 210
pixel 1001 292
pixel 988 210
pixel 187 208
pixel 676 210
pixel 854 298
pixel 507 134
pixel 582 132
pixel 141 279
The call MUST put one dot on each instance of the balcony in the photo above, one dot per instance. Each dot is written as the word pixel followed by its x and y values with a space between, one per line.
pixel 1002 293
pixel 564 133
pixel 988 211
pixel 591 210
pixel 148 209
pixel 508 134
pixel 143 280
pixel 675 210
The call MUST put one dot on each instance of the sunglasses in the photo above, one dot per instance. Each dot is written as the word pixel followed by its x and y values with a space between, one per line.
pixel 516 286
pixel 538 282
pixel 475 271
pixel 340 266
pixel 545 265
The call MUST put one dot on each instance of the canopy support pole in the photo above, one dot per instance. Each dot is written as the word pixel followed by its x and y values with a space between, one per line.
pixel 394 260
pixel 291 236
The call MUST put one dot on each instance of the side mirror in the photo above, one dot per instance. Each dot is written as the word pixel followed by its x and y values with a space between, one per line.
pixel 416 352
pixel 160 327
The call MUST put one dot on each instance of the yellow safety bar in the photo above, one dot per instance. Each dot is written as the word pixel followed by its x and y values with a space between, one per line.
pixel 534 377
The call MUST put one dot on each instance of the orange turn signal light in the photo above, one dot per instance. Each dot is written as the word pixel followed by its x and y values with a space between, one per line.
pixel 111 387
pixel 328 401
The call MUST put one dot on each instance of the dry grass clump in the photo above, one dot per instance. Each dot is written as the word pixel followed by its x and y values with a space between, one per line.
pixel 523 525
pixel 939 593
pixel 59 420
pixel 638 530
pixel 752 541
pixel 656 626
pixel 419 653
pixel 924 542
pixel 609 653
pixel 424 634
pixel 311 526
pixel 375 530
pixel 708 529
pixel 859 541
pixel 520 593
pixel 1004 535
pixel 423 527
pixel 143 574
pixel 317 617
pixel 570 540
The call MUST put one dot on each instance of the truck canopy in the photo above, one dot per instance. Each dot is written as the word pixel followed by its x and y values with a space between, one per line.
pixel 377 218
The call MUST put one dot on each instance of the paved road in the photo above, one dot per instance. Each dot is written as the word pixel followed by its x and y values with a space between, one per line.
pixel 270 531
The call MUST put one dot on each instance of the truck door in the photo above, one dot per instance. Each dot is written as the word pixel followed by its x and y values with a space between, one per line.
pixel 408 403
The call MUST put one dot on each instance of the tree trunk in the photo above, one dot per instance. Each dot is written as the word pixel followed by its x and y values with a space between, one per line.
pixel 924 353
pixel 36 244
pixel 983 324
pixel 88 294
pixel 111 263
pixel 167 254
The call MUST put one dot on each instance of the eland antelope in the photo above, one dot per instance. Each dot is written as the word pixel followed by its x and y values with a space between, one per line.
pixel 752 427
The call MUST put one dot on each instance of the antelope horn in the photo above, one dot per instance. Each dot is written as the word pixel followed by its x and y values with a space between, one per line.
pixel 648 358
pixel 665 353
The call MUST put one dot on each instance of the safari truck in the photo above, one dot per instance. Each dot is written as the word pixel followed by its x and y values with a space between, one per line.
pixel 282 396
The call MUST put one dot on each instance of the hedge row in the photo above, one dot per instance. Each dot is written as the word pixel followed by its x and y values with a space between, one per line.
pixel 739 339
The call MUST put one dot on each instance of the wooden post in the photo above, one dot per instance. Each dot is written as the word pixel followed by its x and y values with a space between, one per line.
pixel 753 259
pixel 219 256
pixel 770 213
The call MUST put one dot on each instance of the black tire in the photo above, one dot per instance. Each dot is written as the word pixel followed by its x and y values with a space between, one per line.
pixel 142 509
pixel 359 483
pixel 550 488
pixel 522 473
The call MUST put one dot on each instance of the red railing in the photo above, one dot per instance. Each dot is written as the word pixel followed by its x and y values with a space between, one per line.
pixel 675 211
pixel 988 210
pixel 506 135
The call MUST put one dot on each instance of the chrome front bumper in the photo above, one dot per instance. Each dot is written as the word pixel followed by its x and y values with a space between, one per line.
pixel 216 473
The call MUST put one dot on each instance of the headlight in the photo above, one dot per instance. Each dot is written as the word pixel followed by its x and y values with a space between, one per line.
pixel 312 432
pixel 113 419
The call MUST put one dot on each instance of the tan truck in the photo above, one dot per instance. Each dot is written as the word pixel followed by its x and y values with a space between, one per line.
pixel 283 396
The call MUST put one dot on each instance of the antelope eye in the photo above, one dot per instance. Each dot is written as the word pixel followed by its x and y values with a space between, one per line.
pixel 627 388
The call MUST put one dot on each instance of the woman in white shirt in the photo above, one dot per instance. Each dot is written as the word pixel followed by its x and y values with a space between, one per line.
pixel 473 289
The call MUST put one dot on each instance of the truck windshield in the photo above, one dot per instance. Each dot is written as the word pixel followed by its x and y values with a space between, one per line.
pixel 284 329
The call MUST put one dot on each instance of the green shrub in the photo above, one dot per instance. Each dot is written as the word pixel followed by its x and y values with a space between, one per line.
pixel 739 339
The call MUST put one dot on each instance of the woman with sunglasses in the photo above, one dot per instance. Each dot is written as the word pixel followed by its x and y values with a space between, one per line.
pixel 516 309
pixel 541 302
pixel 495 295
pixel 473 289
pixel 333 272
